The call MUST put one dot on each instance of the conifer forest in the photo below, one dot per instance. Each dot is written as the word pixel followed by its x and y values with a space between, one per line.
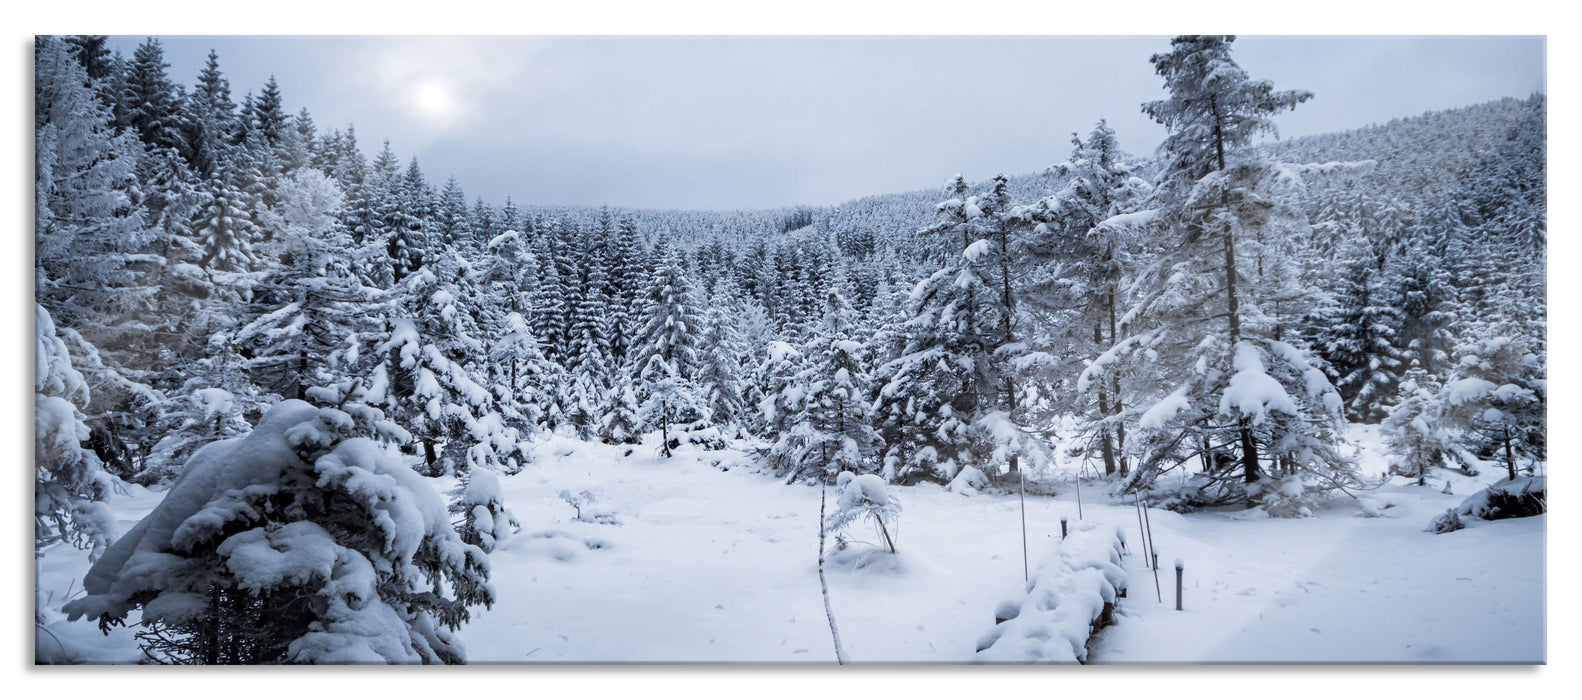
pixel 301 399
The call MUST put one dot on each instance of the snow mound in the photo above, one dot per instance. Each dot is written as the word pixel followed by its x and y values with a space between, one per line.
pixel 1071 594
pixel 1524 497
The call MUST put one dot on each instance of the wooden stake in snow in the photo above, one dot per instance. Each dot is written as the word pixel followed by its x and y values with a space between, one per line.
pixel 1178 584
pixel 1062 527
pixel 840 652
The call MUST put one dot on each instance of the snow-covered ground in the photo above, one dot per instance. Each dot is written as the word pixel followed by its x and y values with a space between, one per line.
pixel 710 561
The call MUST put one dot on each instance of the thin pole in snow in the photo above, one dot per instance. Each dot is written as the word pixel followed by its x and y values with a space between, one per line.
pixel 1152 545
pixel 1153 550
pixel 1023 479
pixel 1142 535
pixel 1079 495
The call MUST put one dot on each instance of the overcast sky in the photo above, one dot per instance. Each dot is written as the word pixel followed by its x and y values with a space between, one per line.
pixel 751 122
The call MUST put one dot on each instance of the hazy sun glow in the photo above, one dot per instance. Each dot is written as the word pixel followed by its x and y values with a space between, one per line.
pixel 434 99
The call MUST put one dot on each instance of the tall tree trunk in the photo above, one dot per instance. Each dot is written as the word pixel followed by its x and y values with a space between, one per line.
pixel 1120 427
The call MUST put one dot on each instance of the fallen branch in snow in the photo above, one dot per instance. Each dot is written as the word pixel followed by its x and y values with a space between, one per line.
pixel 1071 595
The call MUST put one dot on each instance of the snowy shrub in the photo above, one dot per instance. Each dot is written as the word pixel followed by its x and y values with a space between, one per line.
pixel 485 519
pixel 1524 497
pixel 863 497
pixel 1070 595
pixel 304 541
pixel 1290 498
pixel 583 504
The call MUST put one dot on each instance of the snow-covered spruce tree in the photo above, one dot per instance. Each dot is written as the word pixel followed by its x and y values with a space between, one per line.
pixel 665 350
pixel 620 424
pixel 225 226
pixel 70 484
pixel 422 381
pixel 627 268
pixel 216 401
pixel 1204 334
pixel 581 406
pixel 780 402
pixel 485 521
pixel 87 225
pixel 1359 340
pixel 1425 298
pixel 519 375
pixel 312 307
pixel 1495 401
pixel 831 430
pixel 1080 246
pixel 305 541
pixel 719 368
pixel 1415 430
pixel 946 375
pixel 549 313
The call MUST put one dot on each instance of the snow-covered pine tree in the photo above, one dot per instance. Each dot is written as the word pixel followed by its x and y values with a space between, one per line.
pixel 1425 299
pixel 314 307
pixel 423 382
pixel 485 521
pixel 87 225
pixel 1359 341
pixel 151 98
pixel 1414 430
pixel 946 375
pixel 1495 403
pixel 665 349
pixel 620 424
pixel 719 367
pixel 589 349
pixel 832 428
pixel 70 483
pixel 626 283
pixel 225 227
pixel 520 375
pixel 1204 334
pixel 216 400
pixel 1080 246
pixel 548 300
pixel 303 542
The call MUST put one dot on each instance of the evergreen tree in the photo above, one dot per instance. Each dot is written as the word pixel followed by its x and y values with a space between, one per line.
pixel 150 98
pixel 70 484
pixel 1082 251
pixel 665 351
pixel 1414 429
pixel 389 582
pixel 719 369
pixel 1495 403
pixel 1222 378
pixel 1359 342
pixel 831 430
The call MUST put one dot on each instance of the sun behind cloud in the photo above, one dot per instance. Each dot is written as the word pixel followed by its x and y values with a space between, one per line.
pixel 435 100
